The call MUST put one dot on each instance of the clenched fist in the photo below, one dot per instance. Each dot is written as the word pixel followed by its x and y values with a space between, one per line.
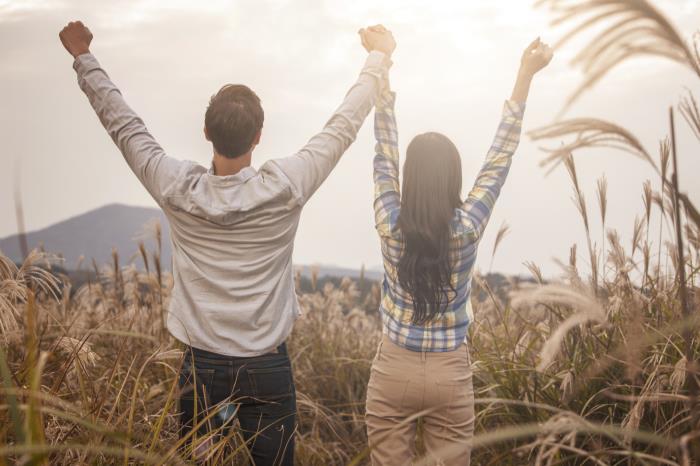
pixel 76 38
pixel 536 56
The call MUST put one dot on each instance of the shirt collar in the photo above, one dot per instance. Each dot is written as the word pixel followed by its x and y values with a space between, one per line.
pixel 241 177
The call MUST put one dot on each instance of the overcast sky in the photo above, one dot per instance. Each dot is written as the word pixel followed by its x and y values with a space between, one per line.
pixel 455 64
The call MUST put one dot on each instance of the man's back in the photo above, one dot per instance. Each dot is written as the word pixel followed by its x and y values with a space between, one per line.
pixel 232 239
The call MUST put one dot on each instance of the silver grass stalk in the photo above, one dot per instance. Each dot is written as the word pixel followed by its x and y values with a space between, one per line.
pixel 586 309
pixel 630 28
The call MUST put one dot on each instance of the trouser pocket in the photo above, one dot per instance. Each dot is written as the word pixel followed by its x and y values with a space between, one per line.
pixel 270 383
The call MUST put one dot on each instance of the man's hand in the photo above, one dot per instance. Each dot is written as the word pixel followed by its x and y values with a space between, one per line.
pixel 536 56
pixel 378 38
pixel 76 38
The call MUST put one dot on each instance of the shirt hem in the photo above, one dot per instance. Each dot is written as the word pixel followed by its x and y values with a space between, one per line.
pixel 248 354
pixel 419 349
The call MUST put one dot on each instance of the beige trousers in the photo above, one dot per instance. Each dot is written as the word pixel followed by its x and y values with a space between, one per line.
pixel 405 385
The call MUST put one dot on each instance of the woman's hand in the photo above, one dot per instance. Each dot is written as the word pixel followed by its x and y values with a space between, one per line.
pixel 536 57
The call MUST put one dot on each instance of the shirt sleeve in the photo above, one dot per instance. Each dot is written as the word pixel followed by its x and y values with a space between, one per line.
pixel 147 160
pixel 387 198
pixel 478 206
pixel 310 166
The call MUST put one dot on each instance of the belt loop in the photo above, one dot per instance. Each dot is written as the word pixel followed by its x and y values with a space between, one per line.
pixel 379 349
pixel 423 355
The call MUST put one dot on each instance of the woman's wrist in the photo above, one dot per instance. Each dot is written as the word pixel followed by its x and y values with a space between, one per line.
pixel 524 74
pixel 522 85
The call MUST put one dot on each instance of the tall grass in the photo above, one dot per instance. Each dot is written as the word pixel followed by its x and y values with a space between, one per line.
pixel 562 374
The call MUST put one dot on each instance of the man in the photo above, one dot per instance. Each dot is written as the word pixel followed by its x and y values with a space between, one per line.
pixel 232 230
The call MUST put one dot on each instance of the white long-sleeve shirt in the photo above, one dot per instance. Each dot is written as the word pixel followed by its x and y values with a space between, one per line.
pixel 232 236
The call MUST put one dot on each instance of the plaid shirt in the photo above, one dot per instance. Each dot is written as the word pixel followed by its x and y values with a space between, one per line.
pixel 449 330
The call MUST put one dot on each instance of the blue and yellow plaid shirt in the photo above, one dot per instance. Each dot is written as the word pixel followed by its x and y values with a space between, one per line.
pixel 448 331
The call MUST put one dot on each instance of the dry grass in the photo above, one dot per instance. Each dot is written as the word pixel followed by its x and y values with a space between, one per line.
pixel 561 376
pixel 624 29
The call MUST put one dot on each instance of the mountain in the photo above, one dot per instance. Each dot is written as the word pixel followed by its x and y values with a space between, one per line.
pixel 339 272
pixel 94 234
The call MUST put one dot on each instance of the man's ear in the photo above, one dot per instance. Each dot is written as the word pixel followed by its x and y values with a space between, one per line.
pixel 206 135
pixel 256 141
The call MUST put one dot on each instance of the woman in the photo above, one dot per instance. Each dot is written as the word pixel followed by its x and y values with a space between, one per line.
pixel 429 239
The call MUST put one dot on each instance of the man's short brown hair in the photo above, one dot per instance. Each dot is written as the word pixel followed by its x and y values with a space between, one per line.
pixel 233 119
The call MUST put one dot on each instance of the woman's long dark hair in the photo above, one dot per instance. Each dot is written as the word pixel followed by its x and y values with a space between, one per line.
pixel 432 184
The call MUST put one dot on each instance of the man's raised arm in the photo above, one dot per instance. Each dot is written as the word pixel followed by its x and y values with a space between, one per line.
pixel 308 168
pixel 143 154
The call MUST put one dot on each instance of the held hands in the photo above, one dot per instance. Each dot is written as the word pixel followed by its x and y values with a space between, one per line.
pixel 76 38
pixel 536 56
pixel 378 38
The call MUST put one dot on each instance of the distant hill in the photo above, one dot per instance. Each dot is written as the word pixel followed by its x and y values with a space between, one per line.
pixel 95 233
pixel 332 271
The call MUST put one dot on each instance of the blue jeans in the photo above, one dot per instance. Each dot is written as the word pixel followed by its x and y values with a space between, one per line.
pixel 258 391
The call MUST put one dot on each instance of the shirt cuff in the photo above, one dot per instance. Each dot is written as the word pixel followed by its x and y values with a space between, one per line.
pixel 377 64
pixel 387 99
pixel 514 109
pixel 85 62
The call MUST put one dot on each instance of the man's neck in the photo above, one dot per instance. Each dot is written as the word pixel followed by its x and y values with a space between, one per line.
pixel 223 166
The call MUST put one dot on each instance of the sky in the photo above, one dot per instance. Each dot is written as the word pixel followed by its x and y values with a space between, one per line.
pixel 455 63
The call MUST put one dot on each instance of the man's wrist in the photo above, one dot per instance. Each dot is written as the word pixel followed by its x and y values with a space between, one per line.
pixel 81 51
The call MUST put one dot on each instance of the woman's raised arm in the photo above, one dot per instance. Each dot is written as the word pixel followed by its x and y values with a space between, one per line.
pixel 479 204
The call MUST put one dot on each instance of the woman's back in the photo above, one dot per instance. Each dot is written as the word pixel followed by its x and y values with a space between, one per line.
pixel 447 329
